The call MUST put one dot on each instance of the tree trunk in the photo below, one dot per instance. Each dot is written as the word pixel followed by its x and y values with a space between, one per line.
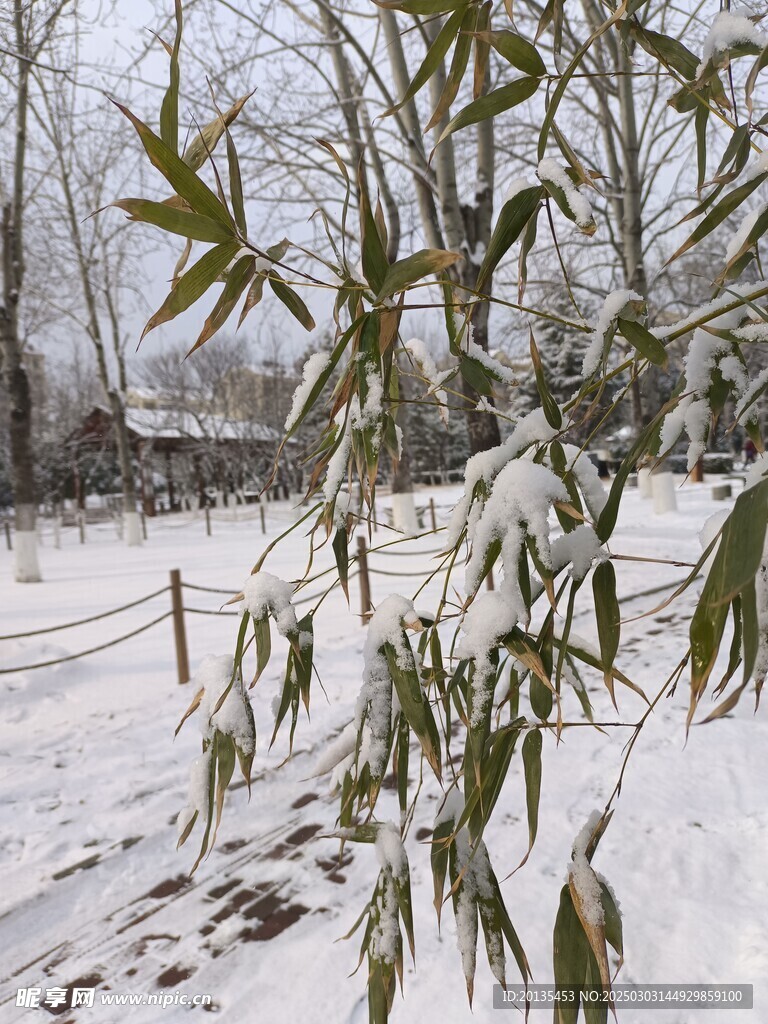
pixel 27 569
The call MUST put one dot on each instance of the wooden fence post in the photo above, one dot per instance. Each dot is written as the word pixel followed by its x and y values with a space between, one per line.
pixel 207 520
pixel 365 583
pixel 143 525
pixel 8 543
pixel 179 632
pixel 81 526
pixel 263 522
pixel 432 513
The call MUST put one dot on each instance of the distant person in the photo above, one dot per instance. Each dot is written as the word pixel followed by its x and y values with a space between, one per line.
pixel 750 452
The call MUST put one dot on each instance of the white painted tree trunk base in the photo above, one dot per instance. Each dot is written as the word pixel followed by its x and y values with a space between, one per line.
pixel 644 482
pixel 27 568
pixel 132 529
pixel 664 498
pixel 404 516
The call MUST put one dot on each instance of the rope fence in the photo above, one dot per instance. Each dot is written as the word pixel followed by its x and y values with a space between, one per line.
pixel 179 609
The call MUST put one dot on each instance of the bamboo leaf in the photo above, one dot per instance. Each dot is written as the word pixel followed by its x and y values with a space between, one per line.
pixel 458 66
pixel 194 284
pixel 492 104
pixel 207 138
pixel 640 337
pixel 169 111
pixel 413 268
pixel 291 300
pixel 435 55
pixel 236 283
pixel 517 51
pixel 181 178
pixel 178 222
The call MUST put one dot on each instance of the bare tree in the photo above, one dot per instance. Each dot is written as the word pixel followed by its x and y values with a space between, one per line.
pixel 86 157
pixel 27 30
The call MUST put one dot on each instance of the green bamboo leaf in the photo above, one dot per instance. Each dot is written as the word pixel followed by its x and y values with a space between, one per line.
pixel 254 296
pixel 207 138
pixel 640 337
pixel 551 409
pixel 515 214
pixel 178 222
pixel 169 111
pixel 458 66
pixel 734 568
pixel 670 50
pixel 532 745
pixel 517 51
pixel 608 617
pixel 194 284
pixel 435 55
pixel 291 300
pixel 421 6
pixel 263 638
pixel 181 178
pixel 415 705
pixel 237 281
pixel 570 958
pixel 225 757
pixel 728 205
pixel 492 104
pixel 413 268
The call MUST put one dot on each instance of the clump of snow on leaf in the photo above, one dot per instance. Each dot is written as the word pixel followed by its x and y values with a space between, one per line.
pixel 391 852
pixel 198 795
pixel 728 29
pixel 583 878
pixel 314 368
pixel 233 718
pixel 707 354
pixel 581 547
pixel 614 305
pixel 265 594
pixel 518 506
pixel 484 466
pixel 376 703
pixel 550 171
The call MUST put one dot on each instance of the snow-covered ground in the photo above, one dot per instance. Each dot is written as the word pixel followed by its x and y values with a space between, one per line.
pixel 91 781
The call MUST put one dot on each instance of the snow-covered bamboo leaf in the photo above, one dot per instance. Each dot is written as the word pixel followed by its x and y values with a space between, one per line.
pixel 415 705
